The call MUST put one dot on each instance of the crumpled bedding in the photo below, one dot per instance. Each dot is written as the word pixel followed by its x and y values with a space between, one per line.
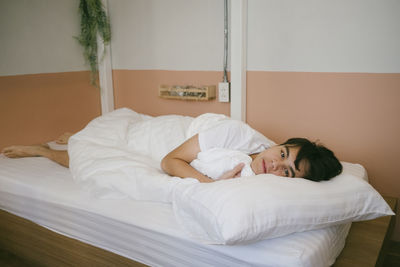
pixel 216 161
pixel 118 155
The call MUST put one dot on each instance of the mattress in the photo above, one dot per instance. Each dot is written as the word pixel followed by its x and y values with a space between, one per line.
pixel 45 193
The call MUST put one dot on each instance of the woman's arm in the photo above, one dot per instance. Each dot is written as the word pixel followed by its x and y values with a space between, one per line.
pixel 177 162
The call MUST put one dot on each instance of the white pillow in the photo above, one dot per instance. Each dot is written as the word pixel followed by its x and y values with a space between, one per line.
pixel 248 209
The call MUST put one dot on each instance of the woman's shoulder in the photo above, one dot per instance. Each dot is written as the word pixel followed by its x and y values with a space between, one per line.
pixel 234 135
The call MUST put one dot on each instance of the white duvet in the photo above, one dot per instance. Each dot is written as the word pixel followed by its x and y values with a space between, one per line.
pixel 118 155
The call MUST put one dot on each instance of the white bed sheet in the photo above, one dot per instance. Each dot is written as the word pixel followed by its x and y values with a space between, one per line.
pixel 44 192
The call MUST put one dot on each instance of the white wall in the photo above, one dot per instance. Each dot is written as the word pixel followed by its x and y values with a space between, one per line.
pixel 286 35
pixel 167 35
pixel 324 35
pixel 37 37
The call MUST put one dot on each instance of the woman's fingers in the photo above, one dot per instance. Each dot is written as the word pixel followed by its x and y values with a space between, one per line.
pixel 238 169
pixel 235 172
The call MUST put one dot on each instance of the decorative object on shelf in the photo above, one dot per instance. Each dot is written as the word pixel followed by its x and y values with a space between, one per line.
pixel 187 92
pixel 94 22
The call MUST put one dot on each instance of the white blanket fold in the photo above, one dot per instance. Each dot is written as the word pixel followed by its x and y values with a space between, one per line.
pixel 118 154
pixel 216 161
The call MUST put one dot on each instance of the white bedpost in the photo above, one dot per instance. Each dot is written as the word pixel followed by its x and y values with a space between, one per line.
pixel 238 58
pixel 105 72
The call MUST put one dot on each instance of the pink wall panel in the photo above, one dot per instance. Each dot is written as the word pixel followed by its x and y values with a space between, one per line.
pixel 355 114
pixel 38 108
pixel 139 90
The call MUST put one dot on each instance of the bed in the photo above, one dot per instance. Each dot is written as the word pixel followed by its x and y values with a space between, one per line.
pixel 50 219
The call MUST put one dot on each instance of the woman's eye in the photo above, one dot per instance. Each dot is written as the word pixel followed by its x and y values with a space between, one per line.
pixel 282 155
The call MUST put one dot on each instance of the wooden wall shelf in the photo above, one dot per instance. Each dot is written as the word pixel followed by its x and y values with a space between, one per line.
pixel 202 93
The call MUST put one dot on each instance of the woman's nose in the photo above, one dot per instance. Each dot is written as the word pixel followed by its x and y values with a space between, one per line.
pixel 282 163
pixel 277 164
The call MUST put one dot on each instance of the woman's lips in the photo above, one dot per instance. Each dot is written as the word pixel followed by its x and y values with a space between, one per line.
pixel 264 167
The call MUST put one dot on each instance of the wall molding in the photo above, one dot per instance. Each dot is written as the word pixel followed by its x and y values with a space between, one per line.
pixel 238 58
pixel 105 72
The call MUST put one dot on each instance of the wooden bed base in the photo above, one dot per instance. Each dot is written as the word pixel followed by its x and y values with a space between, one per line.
pixel 40 246
pixel 365 244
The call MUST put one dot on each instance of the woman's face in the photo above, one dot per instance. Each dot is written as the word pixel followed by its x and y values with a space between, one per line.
pixel 279 160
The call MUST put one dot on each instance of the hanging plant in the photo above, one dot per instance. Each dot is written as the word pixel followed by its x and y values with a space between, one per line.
pixel 94 21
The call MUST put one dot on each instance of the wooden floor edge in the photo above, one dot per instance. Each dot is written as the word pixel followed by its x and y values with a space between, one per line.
pixel 367 240
pixel 39 245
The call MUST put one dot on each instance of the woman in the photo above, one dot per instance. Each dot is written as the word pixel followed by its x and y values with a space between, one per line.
pixel 297 157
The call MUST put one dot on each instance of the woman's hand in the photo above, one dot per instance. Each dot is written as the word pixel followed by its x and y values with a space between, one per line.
pixel 234 173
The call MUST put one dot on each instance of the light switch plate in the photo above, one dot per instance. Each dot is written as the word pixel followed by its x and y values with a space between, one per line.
pixel 223 92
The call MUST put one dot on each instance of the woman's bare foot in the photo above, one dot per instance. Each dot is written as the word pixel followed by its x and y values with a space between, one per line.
pixel 61 157
pixel 63 139
pixel 25 151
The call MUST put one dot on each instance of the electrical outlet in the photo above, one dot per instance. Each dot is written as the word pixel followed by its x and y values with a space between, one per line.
pixel 223 92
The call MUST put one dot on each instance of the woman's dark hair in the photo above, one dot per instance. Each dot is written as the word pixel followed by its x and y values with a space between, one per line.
pixel 322 163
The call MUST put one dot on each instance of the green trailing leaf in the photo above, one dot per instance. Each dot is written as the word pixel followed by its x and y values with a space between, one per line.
pixel 94 21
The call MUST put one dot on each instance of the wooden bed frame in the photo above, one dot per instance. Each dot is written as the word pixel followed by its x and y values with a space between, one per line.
pixel 365 244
